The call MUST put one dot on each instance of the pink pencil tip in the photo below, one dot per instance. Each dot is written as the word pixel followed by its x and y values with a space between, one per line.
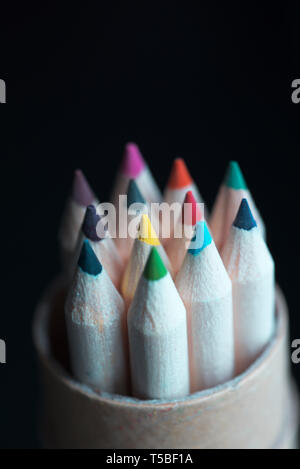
pixel 191 214
pixel 133 162
pixel 81 191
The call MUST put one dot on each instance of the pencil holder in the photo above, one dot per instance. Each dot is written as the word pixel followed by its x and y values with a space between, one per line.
pixel 258 409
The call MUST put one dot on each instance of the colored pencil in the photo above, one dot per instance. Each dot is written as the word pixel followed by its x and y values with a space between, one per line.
pixel 94 230
pixel 205 289
pixel 231 192
pixel 81 196
pixel 176 247
pixel 158 336
pixel 136 206
pixel 134 167
pixel 213 308
pixel 96 325
pixel 172 338
pixel 179 183
pixel 141 248
pixel 251 269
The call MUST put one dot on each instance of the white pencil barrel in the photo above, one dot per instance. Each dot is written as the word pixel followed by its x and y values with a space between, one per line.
pixel 208 302
pixel 211 335
pixel 168 378
pixel 253 329
pixel 148 186
pixel 158 345
pixel 97 336
pixel 92 366
pixel 251 269
pixel 258 409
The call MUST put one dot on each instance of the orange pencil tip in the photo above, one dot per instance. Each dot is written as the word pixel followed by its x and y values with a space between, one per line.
pixel 180 176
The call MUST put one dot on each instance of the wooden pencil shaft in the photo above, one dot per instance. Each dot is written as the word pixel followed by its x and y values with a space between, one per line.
pixel 97 330
pixel 158 341
pixel 251 269
pixel 208 301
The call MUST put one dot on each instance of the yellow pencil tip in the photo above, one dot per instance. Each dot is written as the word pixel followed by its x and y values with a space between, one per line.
pixel 147 233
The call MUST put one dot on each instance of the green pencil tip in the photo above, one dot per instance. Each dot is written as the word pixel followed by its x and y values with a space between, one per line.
pixel 155 268
pixel 234 177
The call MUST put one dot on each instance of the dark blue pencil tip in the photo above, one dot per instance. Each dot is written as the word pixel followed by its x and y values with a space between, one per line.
pixel 88 261
pixel 134 195
pixel 244 218
pixel 89 225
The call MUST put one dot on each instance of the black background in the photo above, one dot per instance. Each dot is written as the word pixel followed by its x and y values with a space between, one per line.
pixel 210 84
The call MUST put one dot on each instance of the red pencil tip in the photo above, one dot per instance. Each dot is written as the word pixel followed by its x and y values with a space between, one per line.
pixel 133 162
pixel 180 176
pixel 81 191
pixel 191 214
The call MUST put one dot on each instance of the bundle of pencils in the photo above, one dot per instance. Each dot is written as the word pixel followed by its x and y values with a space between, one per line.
pixel 156 317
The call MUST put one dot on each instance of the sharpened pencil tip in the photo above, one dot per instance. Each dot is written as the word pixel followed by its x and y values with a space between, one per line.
pixel 244 218
pixel 201 239
pixel 155 268
pixel 81 191
pixel 179 176
pixel 146 233
pixel 234 177
pixel 88 261
pixel 134 195
pixel 191 214
pixel 133 162
pixel 89 225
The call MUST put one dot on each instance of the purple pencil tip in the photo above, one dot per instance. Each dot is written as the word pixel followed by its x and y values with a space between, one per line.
pixel 133 162
pixel 81 192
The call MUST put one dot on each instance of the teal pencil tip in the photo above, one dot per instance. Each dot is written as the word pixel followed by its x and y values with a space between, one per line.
pixel 88 261
pixel 234 177
pixel 155 268
pixel 134 195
